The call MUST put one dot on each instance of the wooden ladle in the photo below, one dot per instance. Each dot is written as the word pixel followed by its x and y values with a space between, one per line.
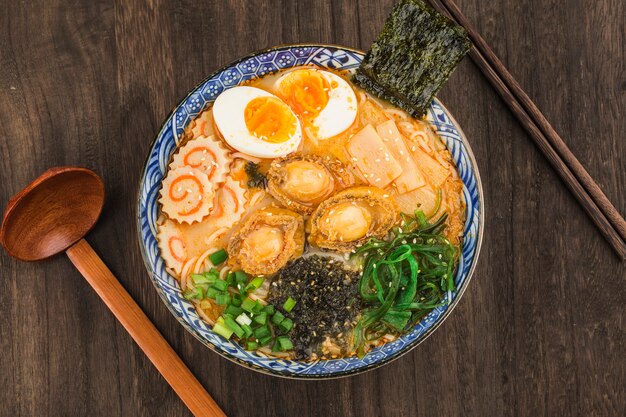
pixel 52 215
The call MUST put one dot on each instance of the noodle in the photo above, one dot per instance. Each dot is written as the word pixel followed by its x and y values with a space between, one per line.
pixel 443 161
pixel 255 297
pixel 257 197
pixel 422 140
pixel 310 136
pixel 362 98
pixel 204 316
pixel 224 272
pixel 203 260
pixel 406 126
pixel 389 337
pixel 263 291
pixel 395 113
pixel 268 352
pixel 186 270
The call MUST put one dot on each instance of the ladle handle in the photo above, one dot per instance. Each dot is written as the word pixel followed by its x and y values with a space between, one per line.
pixel 139 326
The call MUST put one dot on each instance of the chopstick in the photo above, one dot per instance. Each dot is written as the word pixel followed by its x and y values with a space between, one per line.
pixel 605 216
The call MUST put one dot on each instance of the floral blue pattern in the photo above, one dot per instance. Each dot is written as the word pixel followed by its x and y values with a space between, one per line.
pixel 260 64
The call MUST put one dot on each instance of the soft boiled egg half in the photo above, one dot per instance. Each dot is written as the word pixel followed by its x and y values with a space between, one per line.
pixel 325 102
pixel 256 122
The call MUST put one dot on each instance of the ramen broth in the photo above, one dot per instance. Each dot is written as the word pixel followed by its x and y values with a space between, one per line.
pixel 254 225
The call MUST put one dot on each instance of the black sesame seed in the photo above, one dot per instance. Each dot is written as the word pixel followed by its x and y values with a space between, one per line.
pixel 322 303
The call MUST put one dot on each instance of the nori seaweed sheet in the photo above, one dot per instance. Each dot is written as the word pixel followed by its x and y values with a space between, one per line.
pixel 412 57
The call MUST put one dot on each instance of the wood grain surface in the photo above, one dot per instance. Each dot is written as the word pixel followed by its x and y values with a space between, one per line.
pixel 540 330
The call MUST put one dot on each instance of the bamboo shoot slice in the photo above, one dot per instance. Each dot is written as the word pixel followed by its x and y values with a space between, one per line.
pixel 371 113
pixel 433 171
pixel 411 178
pixel 373 158
pixel 423 198
pixel 186 195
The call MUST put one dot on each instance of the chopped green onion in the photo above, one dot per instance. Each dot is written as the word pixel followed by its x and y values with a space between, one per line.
pixel 236 300
pixel 222 330
pixel 218 257
pixel 421 219
pixel 260 318
pixel 220 284
pixel 284 343
pixel 262 332
pixel 252 346
pixel 212 274
pixel 222 299
pixel 232 325
pixel 247 330
pixel 241 277
pixel 202 279
pixel 264 341
pixel 233 310
pixel 289 304
pixel 243 318
pixel 195 294
pixel 249 305
pixel 255 284
pixel 199 293
pixel 437 205
pixel 258 307
pixel 285 325
pixel 230 279
pixel 276 347
pixel 212 293
pixel 277 317
pixel 269 309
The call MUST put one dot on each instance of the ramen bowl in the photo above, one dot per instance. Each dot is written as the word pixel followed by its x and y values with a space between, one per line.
pixel 257 65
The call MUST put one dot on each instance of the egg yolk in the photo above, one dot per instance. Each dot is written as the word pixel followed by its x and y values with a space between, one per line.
pixel 270 120
pixel 306 92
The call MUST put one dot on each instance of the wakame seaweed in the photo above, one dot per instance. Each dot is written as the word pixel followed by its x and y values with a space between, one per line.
pixel 405 278
pixel 412 57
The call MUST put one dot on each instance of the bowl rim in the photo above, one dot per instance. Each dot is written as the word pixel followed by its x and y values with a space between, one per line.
pixel 308 377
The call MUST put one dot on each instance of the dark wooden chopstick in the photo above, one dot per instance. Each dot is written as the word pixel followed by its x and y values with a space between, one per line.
pixel 582 187
pixel 551 135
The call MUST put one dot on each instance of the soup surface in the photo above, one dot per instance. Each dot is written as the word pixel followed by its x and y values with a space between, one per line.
pixel 306 219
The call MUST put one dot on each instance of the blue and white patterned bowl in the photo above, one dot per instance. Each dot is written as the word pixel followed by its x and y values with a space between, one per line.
pixel 259 64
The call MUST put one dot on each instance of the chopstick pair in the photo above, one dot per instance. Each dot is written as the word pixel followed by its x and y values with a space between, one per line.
pixel 601 211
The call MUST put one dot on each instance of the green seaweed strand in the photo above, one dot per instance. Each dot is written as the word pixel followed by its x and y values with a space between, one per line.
pixel 404 278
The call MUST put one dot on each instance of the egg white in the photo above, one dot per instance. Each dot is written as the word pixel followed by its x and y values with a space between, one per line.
pixel 228 113
pixel 340 111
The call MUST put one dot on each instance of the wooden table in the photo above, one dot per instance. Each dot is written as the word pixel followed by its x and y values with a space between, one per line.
pixel 540 330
